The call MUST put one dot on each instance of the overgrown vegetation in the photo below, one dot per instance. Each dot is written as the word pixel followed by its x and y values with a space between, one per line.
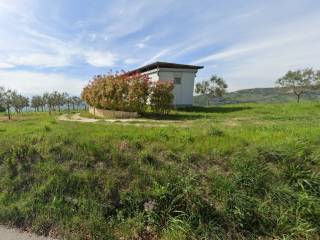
pixel 234 172
pixel 128 92
pixel 161 97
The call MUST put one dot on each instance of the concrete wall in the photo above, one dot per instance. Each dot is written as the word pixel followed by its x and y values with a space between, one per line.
pixel 112 114
pixel 183 93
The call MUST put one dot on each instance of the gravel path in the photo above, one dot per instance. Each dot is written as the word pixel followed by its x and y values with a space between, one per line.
pixel 76 118
pixel 137 121
pixel 14 234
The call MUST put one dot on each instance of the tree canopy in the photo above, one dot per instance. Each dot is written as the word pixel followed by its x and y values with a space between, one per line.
pixel 214 87
pixel 300 81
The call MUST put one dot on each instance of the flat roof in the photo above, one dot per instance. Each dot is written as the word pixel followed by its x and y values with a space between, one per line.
pixel 164 65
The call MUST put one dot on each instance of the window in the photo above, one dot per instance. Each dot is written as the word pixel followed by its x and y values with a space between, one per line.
pixel 177 80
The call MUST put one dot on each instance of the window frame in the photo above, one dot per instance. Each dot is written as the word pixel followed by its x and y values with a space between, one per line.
pixel 177 82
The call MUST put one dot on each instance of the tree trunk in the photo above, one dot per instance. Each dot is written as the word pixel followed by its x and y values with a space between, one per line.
pixel 9 115
pixel 298 98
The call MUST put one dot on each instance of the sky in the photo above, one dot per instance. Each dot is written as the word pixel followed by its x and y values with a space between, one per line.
pixel 60 45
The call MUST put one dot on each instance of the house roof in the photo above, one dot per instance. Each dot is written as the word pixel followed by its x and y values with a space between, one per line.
pixel 164 65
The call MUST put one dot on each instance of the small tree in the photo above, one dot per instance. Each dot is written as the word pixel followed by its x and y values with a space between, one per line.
pixel 76 102
pixel 19 102
pixel 36 103
pixel 161 97
pixel 300 81
pixel 215 87
pixel 50 101
pixel 6 99
pixel 68 100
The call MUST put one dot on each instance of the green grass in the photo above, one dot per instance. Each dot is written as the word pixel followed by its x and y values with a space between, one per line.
pixel 231 172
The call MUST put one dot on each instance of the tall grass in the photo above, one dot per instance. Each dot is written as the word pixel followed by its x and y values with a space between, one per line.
pixel 232 172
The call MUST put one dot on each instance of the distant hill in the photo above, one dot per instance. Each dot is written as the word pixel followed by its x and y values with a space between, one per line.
pixel 256 95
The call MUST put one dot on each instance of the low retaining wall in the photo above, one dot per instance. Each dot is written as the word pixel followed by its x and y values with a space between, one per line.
pixel 112 114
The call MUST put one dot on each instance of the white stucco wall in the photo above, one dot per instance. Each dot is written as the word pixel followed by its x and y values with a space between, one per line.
pixel 153 75
pixel 183 93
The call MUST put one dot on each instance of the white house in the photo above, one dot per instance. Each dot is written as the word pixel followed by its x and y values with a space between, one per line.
pixel 182 75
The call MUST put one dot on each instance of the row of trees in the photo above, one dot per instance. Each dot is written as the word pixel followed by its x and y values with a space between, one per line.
pixel 128 92
pixel 55 101
pixel 300 82
pixel 11 100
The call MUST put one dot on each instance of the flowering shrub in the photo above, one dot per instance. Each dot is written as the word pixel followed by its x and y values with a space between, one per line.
pixel 118 92
pixel 124 92
pixel 161 96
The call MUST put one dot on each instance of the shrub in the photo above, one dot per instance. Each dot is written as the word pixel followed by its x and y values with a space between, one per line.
pixel 120 92
pixel 161 96
pixel 127 92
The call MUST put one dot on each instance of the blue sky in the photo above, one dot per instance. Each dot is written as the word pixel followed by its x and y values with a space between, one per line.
pixel 59 45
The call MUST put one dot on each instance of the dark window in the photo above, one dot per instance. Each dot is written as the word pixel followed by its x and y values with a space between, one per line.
pixel 177 80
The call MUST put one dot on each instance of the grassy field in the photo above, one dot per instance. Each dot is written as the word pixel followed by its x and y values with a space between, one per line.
pixel 232 172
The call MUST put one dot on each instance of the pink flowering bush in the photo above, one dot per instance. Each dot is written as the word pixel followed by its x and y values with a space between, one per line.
pixel 128 92
pixel 161 97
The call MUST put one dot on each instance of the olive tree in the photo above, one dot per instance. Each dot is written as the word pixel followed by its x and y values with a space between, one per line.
pixel 6 100
pixel 37 102
pixel 214 87
pixel 49 100
pixel 299 82
pixel 19 102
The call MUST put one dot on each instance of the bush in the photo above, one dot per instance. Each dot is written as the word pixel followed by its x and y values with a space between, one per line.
pixel 120 92
pixel 124 92
pixel 161 96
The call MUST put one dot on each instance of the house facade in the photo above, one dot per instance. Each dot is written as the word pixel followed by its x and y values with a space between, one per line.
pixel 182 75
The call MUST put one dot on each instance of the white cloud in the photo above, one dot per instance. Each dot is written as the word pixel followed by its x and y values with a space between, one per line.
pixel 270 52
pixel 144 41
pixel 125 17
pixel 157 57
pixel 40 59
pixel 100 59
pixel 92 37
pixel 141 45
pixel 130 61
pixel 36 83
pixel 6 65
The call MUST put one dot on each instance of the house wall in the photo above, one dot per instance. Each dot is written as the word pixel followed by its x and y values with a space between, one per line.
pixel 153 75
pixel 183 93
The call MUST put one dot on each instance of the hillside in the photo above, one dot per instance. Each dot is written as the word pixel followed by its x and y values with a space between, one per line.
pixel 256 95
pixel 244 171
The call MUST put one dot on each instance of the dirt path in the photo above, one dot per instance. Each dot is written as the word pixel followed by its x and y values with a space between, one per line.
pixel 76 118
pixel 138 121
pixel 14 234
